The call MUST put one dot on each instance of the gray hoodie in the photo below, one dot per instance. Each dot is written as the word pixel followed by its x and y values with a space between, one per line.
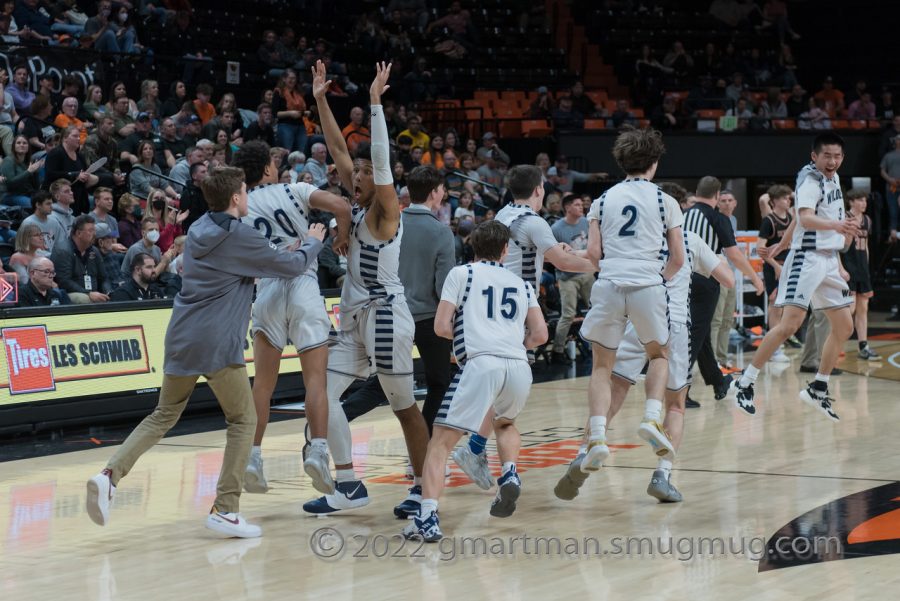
pixel 64 219
pixel 211 314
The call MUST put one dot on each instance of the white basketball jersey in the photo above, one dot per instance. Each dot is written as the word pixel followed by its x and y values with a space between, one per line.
pixel 634 216
pixel 699 258
pixel 372 267
pixel 531 238
pixel 281 213
pixel 824 197
pixel 491 305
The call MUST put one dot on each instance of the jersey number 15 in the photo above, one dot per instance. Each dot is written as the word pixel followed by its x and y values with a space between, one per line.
pixel 508 305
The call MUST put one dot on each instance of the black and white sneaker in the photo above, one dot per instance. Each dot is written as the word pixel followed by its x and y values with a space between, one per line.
pixel 820 400
pixel 743 396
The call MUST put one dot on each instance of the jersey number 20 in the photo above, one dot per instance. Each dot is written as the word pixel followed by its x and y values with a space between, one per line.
pixel 508 305
pixel 262 224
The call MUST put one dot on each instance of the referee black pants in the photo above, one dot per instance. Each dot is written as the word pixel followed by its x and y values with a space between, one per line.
pixel 704 296
pixel 435 353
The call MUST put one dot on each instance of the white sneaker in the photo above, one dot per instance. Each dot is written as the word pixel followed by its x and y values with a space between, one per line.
pixel 317 468
pixel 597 452
pixel 231 524
pixel 656 436
pixel 254 478
pixel 474 466
pixel 779 357
pixel 100 493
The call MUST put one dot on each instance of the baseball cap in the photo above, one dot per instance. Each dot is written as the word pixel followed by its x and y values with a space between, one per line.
pixel 193 119
pixel 103 231
pixel 488 135
pixel 142 116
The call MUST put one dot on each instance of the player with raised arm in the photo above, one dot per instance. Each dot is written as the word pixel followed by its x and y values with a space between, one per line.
pixel 811 276
pixel 289 311
pixel 630 226
pixel 492 316
pixel 376 327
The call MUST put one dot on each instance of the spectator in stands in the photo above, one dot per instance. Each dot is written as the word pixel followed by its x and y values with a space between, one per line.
pixel 262 129
pixel 581 102
pixel 202 105
pixel 66 162
pixel 192 198
pixel 315 164
pixel 649 75
pixel 890 172
pixel 147 244
pixel 708 62
pixel 863 108
pixel 542 106
pixel 741 110
pixel 227 120
pixel 289 106
pixel 333 185
pixel 332 267
pixel 31 16
pixel 149 102
pixel 679 61
pixel 296 161
pixel 108 32
pixel 29 241
pixel 93 103
pixel 9 29
pixel 435 153
pixel 565 117
pixel 177 98
pixel 571 230
pixel 42 209
pixel 146 173
pixel 564 178
pixel 271 54
pixel 149 9
pixel 181 172
pixel 118 90
pixel 622 115
pixel 102 142
pixel 9 119
pixel 797 102
pixel 419 83
pixel 832 97
pixel 39 289
pixel 129 220
pixel 466 206
pixel 888 135
pixel 490 149
pixel 787 67
pixel 111 258
pixel 773 107
pixel 667 117
pixel 180 35
pixel 122 120
pixel 453 183
pixel 736 89
pixel 141 284
pixel 168 147
pixel 887 109
pixel 63 198
pixel 79 267
pixel 356 132
pixel 19 90
pixel 414 131
pixel 20 174
pixel 191 128
pixel 102 214
pixel 815 117
pixel 37 127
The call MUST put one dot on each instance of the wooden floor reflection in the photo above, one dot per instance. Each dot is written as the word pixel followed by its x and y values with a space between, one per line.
pixel 744 479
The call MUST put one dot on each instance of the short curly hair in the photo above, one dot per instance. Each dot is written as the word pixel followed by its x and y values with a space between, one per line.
pixel 635 150
pixel 253 157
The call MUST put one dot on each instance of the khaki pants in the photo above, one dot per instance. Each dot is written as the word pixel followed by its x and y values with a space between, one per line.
pixel 720 327
pixel 231 386
pixel 570 291
pixel 80 298
pixel 817 330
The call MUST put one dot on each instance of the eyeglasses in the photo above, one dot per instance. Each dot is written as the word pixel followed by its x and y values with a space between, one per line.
pixel 48 272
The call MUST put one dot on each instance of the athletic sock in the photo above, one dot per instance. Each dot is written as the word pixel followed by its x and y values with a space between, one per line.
pixel 582 449
pixel 653 410
pixel 598 427
pixel 346 475
pixel 749 376
pixel 319 442
pixel 255 451
pixel 508 466
pixel 477 443
pixel 666 466
pixel 417 480
pixel 428 505
pixel 821 381
pixel 863 344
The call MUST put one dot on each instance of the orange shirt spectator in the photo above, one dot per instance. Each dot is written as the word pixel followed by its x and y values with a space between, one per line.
pixel 833 98
pixel 63 121
pixel 354 134
pixel 206 111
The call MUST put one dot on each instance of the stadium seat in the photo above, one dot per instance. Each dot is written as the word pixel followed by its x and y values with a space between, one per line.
pixel 859 124
pixel 536 128
pixel 710 113
pixel 840 124
pixel 595 123
pixel 784 124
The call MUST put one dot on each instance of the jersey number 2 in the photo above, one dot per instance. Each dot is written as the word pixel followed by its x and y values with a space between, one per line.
pixel 508 305
pixel 631 211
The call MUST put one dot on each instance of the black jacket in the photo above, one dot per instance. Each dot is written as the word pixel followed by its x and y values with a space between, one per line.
pixel 72 267
pixel 30 297
pixel 130 291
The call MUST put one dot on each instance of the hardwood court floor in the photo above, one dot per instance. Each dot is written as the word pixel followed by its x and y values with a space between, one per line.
pixel 742 477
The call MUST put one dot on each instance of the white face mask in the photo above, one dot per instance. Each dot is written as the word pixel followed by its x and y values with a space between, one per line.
pixel 153 236
pixel 123 17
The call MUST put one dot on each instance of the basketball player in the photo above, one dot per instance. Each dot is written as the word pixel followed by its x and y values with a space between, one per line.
pixel 289 311
pixel 856 262
pixel 492 316
pixel 664 438
pixel 630 226
pixel 772 230
pixel 811 274
pixel 205 336
pixel 376 328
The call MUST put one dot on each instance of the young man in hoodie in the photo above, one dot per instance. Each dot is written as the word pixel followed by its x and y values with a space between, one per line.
pixel 206 333
pixel 812 274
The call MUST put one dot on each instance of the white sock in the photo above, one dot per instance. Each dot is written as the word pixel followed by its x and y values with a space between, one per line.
pixel 653 410
pixel 750 375
pixel 598 427
pixel 319 442
pixel 346 475
pixel 666 466
pixel 508 466
pixel 428 505
pixel 255 451
pixel 582 449
pixel 417 480
pixel 823 378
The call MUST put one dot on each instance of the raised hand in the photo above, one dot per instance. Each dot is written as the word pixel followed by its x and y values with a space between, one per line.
pixel 380 83
pixel 317 231
pixel 320 85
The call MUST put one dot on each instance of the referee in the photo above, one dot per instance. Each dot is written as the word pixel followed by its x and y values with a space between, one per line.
pixel 715 229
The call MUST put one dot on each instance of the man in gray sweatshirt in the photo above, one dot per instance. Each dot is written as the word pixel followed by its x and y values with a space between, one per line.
pixel 206 335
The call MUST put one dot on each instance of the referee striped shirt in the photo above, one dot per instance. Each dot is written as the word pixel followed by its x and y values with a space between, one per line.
pixel 713 227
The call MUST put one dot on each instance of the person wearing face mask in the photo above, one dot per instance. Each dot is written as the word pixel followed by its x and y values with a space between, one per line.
pixel 112 260
pixel 141 285
pixel 147 244
pixel 130 220
pixel 108 32
pixel 169 218
pixel 41 290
